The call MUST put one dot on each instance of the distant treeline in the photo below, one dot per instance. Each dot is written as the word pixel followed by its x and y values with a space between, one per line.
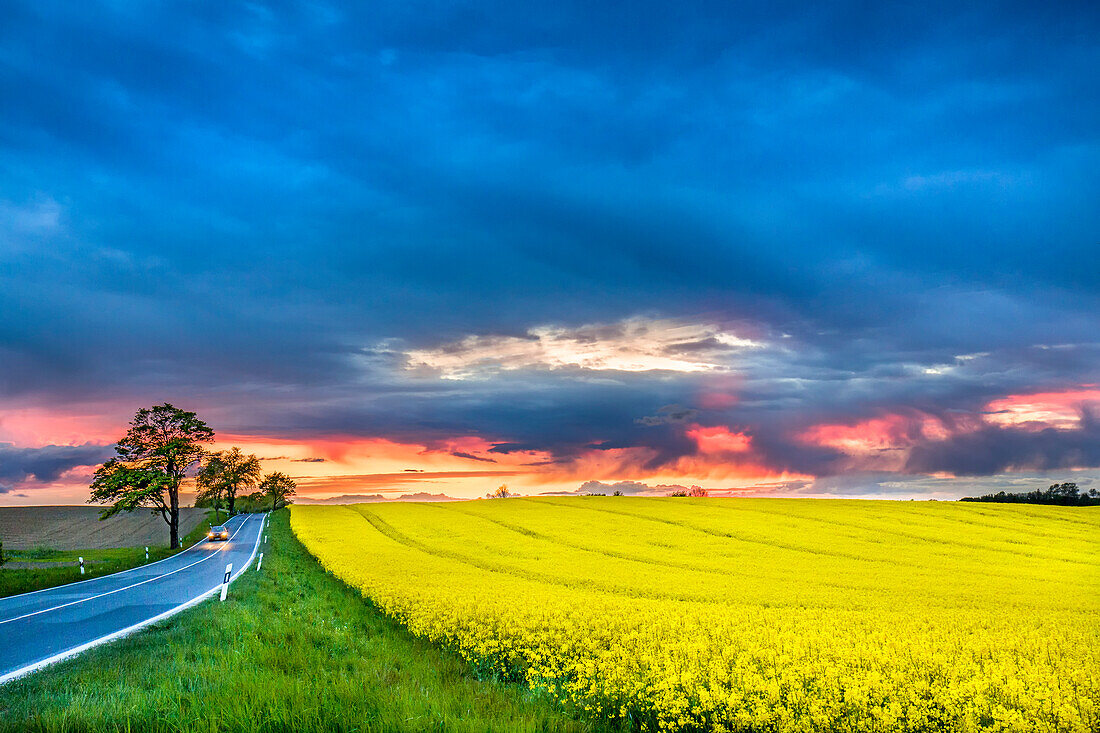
pixel 1061 494
pixel 257 501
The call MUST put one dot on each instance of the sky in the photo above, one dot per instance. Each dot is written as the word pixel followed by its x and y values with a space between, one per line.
pixel 421 249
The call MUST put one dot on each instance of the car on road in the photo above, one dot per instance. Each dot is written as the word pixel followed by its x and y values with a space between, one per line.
pixel 218 533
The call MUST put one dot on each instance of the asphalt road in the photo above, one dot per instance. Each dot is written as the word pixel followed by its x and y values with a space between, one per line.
pixel 48 625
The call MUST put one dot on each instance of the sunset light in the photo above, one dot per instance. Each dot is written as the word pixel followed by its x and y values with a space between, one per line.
pixel 585 367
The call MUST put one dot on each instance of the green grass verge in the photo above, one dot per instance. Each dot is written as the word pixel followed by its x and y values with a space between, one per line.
pixel 97 562
pixel 293 649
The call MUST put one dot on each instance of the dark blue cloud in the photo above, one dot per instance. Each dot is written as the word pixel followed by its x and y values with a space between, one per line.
pixel 229 202
pixel 45 464
pixel 993 450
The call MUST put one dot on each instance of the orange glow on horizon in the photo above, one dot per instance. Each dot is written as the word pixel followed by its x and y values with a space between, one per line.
pixel 464 466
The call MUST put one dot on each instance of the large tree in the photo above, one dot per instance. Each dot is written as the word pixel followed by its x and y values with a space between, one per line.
pixel 228 473
pixel 279 487
pixel 152 460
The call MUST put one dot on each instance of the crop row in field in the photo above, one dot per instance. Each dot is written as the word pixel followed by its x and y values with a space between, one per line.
pixel 80 528
pixel 782 615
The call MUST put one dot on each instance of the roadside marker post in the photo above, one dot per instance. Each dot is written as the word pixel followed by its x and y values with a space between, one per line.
pixel 225 582
pixel 146 553
pixel 260 562
pixel 81 565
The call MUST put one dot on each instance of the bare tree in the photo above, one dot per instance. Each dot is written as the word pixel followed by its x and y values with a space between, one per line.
pixel 502 492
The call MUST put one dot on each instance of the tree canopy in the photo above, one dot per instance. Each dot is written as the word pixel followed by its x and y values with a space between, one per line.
pixel 279 487
pixel 151 461
pixel 502 492
pixel 227 474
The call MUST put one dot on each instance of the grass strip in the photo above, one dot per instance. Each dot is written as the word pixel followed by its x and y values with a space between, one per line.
pixel 293 649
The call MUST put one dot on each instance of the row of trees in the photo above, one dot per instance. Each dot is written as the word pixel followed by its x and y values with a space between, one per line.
pixel 161 447
pixel 696 491
pixel 225 475
pixel 1065 494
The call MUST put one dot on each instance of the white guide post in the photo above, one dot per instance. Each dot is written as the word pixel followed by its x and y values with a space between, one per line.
pixel 146 553
pixel 81 565
pixel 225 581
pixel 260 561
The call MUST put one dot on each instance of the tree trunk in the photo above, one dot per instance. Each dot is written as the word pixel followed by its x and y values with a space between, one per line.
pixel 230 499
pixel 174 523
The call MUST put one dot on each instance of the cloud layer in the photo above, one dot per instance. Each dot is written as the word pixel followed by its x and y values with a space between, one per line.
pixel 745 248
pixel 632 345
pixel 45 464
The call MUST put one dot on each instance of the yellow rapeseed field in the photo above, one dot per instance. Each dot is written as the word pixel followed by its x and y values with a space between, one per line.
pixel 749 614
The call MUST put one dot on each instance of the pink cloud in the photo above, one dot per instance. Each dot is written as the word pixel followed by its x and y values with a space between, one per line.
pixel 1060 410
pixel 719 439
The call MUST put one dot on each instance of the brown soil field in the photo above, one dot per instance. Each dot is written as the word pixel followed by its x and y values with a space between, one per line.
pixel 79 528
